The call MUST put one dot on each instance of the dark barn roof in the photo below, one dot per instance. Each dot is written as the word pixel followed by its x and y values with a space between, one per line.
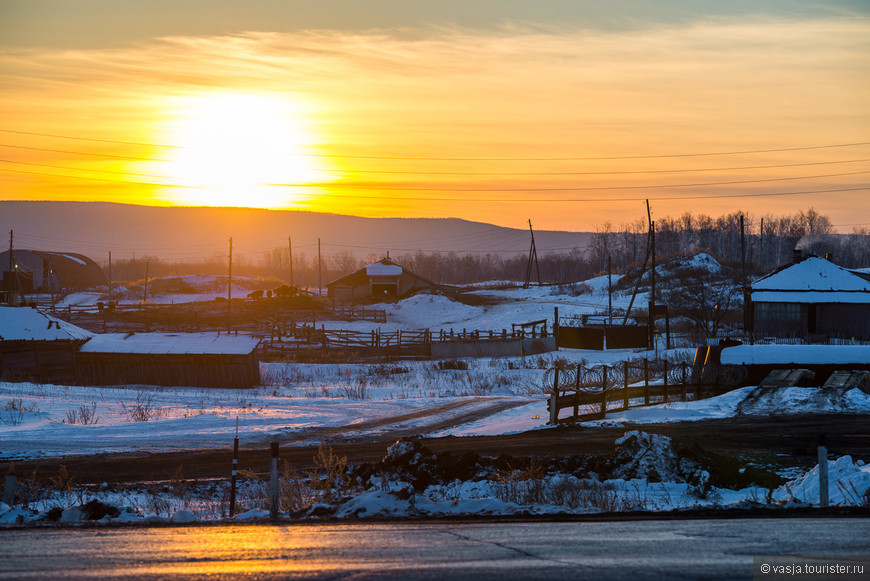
pixel 72 270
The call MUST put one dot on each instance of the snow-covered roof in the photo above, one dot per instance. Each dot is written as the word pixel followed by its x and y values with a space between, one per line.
pixel 171 343
pixel 27 324
pixel 795 354
pixel 812 274
pixel 812 280
pixel 383 269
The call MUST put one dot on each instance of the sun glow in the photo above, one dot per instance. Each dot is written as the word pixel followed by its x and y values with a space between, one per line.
pixel 234 149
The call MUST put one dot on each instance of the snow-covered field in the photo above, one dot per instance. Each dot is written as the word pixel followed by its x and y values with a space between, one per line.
pixel 296 400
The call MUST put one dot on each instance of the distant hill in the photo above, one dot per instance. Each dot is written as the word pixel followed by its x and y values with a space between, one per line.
pixel 189 234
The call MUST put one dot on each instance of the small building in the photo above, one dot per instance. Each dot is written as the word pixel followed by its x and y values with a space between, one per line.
pixel 170 359
pixel 37 271
pixel 380 280
pixel 36 346
pixel 811 298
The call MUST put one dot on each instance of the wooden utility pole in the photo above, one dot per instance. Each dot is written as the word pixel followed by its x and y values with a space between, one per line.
pixel 145 293
pixel 742 249
pixel 230 285
pixel 319 271
pixel 14 288
pixel 110 277
pixel 290 250
pixel 609 290
pixel 761 246
pixel 533 256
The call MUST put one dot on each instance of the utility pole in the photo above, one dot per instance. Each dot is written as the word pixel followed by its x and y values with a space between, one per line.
pixel 743 249
pixel 609 290
pixel 145 294
pixel 14 288
pixel 319 270
pixel 290 250
pixel 230 285
pixel 761 246
pixel 110 277
pixel 533 255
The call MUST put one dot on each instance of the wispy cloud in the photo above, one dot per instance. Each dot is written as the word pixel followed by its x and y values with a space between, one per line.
pixel 719 85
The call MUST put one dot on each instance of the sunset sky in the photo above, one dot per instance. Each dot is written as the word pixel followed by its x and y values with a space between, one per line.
pixel 568 113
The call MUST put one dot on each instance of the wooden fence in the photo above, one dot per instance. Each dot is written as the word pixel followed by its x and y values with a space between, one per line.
pixel 591 392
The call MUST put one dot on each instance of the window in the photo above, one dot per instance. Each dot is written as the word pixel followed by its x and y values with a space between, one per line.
pixel 784 312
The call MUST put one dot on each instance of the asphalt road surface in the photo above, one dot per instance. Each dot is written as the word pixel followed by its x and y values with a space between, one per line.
pixel 633 549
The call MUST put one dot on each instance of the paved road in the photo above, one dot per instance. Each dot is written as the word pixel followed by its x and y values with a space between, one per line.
pixel 688 549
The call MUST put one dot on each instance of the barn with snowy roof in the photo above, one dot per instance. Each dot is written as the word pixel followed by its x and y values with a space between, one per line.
pixel 37 271
pixel 381 280
pixel 37 346
pixel 170 359
pixel 810 298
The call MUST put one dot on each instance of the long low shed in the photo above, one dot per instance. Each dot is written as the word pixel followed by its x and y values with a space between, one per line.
pixel 172 359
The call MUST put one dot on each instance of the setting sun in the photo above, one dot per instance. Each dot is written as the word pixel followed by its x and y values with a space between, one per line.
pixel 228 148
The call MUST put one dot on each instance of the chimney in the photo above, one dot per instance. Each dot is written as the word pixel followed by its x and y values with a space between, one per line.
pixel 797 254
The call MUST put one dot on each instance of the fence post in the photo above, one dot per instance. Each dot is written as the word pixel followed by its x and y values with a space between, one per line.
pixel 645 381
pixel 577 392
pixel 273 484
pixel 604 393
pixel 554 397
pixel 665 383
pixel 235 471
pixel 625 384
pixel 683 386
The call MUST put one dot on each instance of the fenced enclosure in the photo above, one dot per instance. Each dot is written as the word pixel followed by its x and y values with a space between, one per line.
pixel 591 392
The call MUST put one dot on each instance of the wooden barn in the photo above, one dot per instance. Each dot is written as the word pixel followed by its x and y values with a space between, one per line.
pixel 170 359
pixel 811 298
pixel 37 271
pixel 35 346
pixel 382 280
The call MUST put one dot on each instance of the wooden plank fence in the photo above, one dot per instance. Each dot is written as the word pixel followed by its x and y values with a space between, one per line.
pixel 591 392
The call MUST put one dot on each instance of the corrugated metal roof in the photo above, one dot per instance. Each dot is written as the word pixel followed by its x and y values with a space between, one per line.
pixel 171 344
pixel 27 324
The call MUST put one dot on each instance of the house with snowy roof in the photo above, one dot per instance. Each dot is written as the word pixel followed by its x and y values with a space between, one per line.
pixel 37 346
pixel 381 280
pixel 811 298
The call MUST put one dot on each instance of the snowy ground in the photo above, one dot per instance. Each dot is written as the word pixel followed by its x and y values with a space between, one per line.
pixel 38 421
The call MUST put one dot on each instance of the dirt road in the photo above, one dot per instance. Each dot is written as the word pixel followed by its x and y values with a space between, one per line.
pixel 785 440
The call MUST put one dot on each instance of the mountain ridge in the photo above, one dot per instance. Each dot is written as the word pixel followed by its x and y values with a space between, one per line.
pixel 187 233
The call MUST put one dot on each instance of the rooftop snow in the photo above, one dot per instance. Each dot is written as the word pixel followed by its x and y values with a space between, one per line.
pixel 171 343
pixel 812 274
pixel 795 354
pixel 381 269
pixel 811 297
pixel 26 324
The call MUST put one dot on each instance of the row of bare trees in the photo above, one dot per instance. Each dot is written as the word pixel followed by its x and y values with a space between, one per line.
pixel 769 241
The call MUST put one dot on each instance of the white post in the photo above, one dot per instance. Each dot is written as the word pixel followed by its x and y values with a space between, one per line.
pixel 273 484
pixel 823 472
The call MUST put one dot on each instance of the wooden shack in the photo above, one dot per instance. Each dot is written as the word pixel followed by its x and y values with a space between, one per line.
pixel 35 346
pixel 170 359
pixel 811 298
pixel 381 280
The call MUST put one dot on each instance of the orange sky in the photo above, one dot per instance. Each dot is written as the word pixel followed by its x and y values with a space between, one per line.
pixel 569 122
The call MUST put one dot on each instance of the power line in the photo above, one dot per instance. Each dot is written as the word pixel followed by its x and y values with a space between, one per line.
pixel 426 158
pixel 330 185
pixel 564 189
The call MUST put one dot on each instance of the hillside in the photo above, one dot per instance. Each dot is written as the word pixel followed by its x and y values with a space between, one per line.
pixel 176 233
